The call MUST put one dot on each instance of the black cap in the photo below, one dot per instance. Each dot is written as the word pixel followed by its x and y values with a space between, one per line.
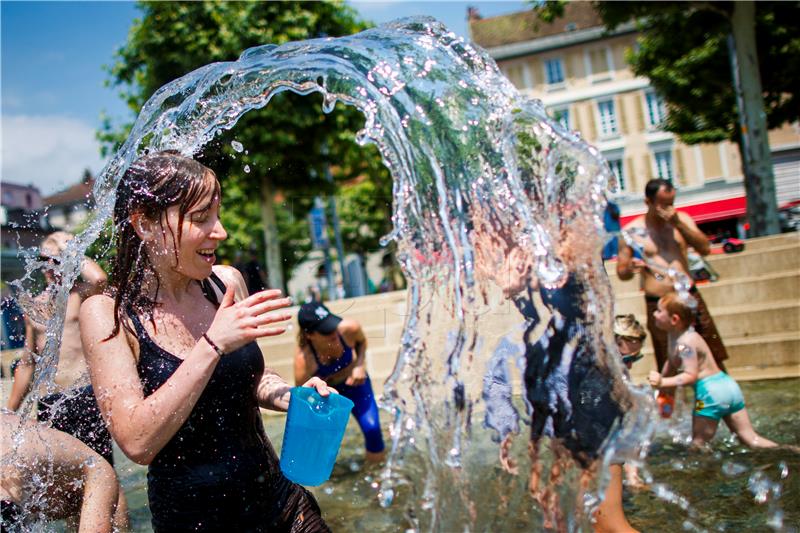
pixel 314 316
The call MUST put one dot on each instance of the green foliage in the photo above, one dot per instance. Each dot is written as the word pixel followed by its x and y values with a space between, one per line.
pixel 283 141
pixel 683 51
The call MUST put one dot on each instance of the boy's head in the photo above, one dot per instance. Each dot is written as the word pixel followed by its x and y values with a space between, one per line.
pixel 629 336
pixel 675 312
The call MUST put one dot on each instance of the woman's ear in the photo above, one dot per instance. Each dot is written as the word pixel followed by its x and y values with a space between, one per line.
pixel 142 226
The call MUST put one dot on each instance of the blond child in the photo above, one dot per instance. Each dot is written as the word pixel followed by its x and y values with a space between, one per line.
pixel 629 336
pixel 717 395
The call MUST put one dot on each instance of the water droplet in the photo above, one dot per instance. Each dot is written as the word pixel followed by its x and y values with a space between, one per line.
pixel 247 169
pixel 237 146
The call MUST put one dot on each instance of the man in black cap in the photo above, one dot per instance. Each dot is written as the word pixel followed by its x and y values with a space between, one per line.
pixel 335 349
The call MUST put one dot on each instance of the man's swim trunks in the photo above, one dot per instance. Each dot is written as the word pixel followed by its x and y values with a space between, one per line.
pixel 703 324
pixel 77 413
pixel 717 396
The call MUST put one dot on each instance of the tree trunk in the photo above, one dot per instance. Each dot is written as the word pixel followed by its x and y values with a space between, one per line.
pixel 272 245
pixel 759 181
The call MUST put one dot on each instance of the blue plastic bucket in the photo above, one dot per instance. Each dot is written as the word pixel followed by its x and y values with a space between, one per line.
pixel 314 430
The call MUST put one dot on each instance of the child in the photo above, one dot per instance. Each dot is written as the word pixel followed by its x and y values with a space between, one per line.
pixel 629 336
pixel 717 395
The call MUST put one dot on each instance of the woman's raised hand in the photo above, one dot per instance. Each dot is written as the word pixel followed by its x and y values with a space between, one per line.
pixel 237 323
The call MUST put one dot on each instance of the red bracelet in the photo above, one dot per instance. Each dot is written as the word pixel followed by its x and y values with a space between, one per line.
pixel 211 343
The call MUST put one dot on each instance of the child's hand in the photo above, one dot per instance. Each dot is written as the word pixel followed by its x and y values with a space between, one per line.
pixel 654 378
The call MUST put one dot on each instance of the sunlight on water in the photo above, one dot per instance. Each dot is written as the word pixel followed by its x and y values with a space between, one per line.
pixel 481 175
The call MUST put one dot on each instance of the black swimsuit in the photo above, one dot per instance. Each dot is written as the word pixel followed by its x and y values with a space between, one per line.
pixel 219 471
pixel 570 394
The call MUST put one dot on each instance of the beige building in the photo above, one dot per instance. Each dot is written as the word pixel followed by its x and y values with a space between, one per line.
pixel 579 72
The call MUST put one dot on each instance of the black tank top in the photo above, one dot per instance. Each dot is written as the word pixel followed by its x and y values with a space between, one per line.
pixel 220 460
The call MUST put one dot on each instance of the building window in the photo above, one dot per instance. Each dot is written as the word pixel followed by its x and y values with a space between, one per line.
pixel 514 75
pixel 554 71
pixel 619 172
pixel 561 115
pixel 608 118
pixel 599 64
pixel 664 165
pixel 656 111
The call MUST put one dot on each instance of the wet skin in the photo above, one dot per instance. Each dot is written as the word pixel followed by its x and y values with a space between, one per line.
pixel 669 233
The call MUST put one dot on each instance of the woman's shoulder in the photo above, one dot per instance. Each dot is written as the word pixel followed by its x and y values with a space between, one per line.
pixel 229 275
pixel 98 303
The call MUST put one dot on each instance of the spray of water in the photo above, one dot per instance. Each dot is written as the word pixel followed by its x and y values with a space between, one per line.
pixel 480 175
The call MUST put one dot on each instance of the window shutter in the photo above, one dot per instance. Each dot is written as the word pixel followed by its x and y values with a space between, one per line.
pixel 639 102
pixel 679 166
pixel 648 166
pixel 630 177
pixel 591 130
pixel 622 122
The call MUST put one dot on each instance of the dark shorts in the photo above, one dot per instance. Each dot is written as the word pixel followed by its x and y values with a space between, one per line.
pixel 78 414
pixel 571 395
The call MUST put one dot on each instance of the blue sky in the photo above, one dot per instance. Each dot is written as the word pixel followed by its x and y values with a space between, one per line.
pixel 52 89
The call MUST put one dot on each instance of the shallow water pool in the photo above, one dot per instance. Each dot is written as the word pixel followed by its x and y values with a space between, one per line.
pixel 727 489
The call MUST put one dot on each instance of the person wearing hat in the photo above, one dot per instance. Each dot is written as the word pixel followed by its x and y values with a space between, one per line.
pixel 629 336
pixel 334 349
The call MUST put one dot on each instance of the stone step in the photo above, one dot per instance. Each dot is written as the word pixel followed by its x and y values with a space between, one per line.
pixel 763 243
pixel 748 320
pixel 784 285
pixel 760 256
pixel 754 262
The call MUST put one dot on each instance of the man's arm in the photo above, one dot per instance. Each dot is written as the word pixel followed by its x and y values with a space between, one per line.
pixel 94 278
pixel 694 236
pixel 687 228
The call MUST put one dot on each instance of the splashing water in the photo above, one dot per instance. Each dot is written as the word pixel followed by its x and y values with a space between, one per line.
pixel 480 174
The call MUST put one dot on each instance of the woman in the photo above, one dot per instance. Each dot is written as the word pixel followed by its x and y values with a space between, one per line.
pixel 79 481
pixel 335 350
pixel 174 362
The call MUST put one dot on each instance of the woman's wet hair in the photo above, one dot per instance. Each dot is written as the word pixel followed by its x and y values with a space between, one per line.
pixel 151 185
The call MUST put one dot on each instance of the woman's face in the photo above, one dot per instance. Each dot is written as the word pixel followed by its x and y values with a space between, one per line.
pixel 200 235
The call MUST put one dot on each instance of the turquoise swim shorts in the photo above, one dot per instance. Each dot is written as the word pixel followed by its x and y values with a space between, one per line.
pixel 717 396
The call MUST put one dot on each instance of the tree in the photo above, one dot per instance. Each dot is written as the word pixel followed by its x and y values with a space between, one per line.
pixel 684 51
pixel 282 142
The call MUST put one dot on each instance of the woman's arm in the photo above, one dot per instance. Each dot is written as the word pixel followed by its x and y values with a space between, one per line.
pixel 355 335
pixel 141 426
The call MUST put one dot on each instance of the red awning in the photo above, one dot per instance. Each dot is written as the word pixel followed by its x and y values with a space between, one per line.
pixel 708 211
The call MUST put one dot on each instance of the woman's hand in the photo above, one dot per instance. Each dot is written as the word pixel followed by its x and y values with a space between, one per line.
pixel 322 388
pixel 655 379
pixel 236 324
pixel 357 377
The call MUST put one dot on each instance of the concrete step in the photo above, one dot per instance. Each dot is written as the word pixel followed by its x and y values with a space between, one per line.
pixel 763 243
pixel 763 288
pixel 754 262
pixel 764 351
pixel 760 256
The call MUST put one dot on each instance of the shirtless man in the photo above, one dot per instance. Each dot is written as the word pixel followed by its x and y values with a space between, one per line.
pixel 665 236
pixel 72 408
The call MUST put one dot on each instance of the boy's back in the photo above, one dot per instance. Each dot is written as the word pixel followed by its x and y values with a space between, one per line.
pixel 689 349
